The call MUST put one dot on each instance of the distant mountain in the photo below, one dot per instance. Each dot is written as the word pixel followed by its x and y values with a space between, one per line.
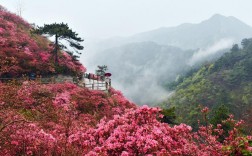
pixel 190 36
pixel 155 52
pixel 193 36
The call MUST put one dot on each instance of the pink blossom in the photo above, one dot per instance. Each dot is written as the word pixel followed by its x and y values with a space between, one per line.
pixel 249 149
pixel 14 143
pixel 1 30
pixel 205 110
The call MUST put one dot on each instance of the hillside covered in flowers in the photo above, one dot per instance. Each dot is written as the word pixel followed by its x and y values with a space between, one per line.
pixel 58 119
pixel 22 51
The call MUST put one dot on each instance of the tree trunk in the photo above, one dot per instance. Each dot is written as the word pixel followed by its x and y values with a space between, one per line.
pixel 56 50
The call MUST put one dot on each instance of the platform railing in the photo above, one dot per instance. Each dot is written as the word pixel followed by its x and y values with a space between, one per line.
pixel 86 83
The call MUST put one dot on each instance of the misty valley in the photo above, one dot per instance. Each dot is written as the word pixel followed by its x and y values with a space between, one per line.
pixel 150 61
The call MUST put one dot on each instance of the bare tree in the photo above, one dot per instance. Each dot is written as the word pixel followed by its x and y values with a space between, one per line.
pixel 20 7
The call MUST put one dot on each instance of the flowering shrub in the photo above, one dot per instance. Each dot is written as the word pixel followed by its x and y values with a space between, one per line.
pixel 22 52
pixel 19 136
pixel 57 111
pixel 64 119
pixel 138 132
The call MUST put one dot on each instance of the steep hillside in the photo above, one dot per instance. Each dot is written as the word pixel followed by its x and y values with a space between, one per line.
pixel 22 52
pixel 43 119
pixel 225 83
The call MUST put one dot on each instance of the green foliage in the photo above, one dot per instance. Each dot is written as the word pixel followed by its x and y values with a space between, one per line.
pixel 31 115
pixel 169 115
pixel 61 31
pixel 224 86
pixel 247 94
pixel 101 71
pixel 235 48
pixel 219 114
pixel 181 78
pixel 246 43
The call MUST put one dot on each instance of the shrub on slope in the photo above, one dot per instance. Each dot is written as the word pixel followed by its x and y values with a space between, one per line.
pixel 53 111
pixel 22 52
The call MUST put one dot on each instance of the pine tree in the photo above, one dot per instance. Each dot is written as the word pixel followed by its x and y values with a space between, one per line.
pixel 101 71
pixel 61 31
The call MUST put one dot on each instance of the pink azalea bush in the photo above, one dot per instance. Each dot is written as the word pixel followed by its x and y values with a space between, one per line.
pixel 64 119
pixel 139 132
pixel 52 111
pixel 17 44
pixel 24 137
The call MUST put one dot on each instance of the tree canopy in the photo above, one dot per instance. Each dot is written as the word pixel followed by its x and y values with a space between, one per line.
pixel 61 31
pixel 101 71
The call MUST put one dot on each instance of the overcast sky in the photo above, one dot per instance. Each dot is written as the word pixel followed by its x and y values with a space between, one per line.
pixel 107 18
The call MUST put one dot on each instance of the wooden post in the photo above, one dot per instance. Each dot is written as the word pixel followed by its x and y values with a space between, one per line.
pixel 106 85
pixel 53 79
pixel 38 78
pixel 93 86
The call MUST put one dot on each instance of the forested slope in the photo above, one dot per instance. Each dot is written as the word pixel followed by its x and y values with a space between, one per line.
pixel 225 84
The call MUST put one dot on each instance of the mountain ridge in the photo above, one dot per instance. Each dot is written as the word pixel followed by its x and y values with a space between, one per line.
pixel 155 33
pixel 193 36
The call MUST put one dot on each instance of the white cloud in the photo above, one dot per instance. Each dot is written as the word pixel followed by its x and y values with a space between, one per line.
pixel 202 54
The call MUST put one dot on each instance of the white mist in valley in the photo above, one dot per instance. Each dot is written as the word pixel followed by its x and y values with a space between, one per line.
pixel 144 64
pixel 203 53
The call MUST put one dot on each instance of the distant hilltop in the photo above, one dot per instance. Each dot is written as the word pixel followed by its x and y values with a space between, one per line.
pixel 190 36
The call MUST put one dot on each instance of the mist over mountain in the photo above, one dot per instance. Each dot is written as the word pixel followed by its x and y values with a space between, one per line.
pixel 193 36
pixel 188 35
pixel 141 64
pixel 142 75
